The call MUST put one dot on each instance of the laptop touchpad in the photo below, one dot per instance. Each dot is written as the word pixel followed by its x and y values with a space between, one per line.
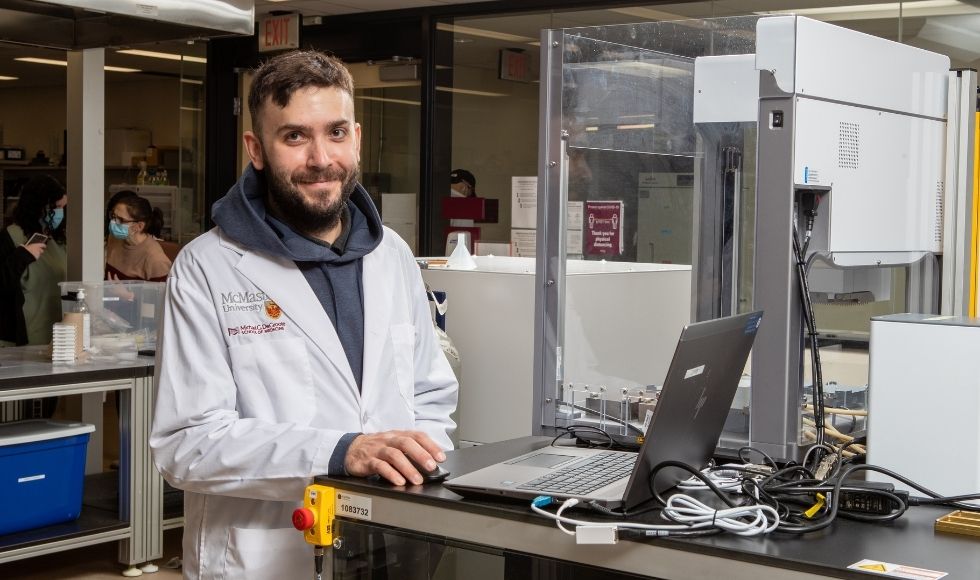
pixel 543 460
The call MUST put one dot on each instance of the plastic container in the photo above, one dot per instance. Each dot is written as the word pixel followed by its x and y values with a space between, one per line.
pixel 42 472
pixel 123 315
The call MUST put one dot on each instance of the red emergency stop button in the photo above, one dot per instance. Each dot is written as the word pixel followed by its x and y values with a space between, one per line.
pixel 303 519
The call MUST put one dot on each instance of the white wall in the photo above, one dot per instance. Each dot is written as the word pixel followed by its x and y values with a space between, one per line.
pixel 495 138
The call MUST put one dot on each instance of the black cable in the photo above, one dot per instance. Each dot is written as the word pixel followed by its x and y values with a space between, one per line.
pixel 811 325
pixel 693 471
pixel 626 424
pixel 571 432
pixel 765 456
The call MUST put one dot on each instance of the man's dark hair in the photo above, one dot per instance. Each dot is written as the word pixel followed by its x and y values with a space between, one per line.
pixel 37 201
pixel 281 76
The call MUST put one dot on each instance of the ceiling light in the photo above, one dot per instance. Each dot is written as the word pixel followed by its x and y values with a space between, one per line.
pixel 3 78
pixel 457 29
pixel 65 63
pixel 163 55
pixel 191 81
pixel 921 8
pixel 648 13
pixel 42 60
pixel 470 92
pixel 387 100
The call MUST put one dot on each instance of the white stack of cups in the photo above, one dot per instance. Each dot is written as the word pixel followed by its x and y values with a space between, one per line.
pixel 65 345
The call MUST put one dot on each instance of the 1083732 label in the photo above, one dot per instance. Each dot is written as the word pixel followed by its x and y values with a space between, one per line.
pixel 353 506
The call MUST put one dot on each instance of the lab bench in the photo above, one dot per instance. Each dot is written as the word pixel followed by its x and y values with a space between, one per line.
pixel 125 505
pixel 431 532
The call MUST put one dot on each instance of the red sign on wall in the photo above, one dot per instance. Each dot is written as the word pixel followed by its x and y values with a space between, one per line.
pixel 603 228
pixel 279 32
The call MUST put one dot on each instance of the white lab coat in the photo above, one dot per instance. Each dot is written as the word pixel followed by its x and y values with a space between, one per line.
pixel 250 406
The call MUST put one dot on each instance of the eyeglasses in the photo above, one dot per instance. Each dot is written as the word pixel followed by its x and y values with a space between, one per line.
pixel 120 220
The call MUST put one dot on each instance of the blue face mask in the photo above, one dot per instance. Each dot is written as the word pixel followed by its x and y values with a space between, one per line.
pixel 54 219
pixel 118 230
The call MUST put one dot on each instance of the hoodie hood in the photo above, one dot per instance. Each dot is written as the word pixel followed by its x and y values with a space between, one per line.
pixel 242 215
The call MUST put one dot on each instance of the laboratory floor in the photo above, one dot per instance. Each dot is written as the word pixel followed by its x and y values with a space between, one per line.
pixel 90 563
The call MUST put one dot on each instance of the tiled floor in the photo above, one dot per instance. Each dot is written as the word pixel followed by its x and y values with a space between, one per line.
pixel 90 563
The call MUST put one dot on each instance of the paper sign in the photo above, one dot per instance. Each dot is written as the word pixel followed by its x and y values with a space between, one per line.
pixel 896 570
pixel 523 243
pixel 603 228
pixel 524 202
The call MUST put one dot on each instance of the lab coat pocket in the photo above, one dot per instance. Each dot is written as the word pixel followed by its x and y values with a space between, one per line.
pixel 263 554
pixel 403 343
pixel 274 379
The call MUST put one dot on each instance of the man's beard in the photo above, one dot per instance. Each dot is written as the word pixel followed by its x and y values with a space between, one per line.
pixel 310 217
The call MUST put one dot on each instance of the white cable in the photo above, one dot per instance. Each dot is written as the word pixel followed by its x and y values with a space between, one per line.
pixel 690 514
pixel 685 509
pixel 729 480
pixel 571 502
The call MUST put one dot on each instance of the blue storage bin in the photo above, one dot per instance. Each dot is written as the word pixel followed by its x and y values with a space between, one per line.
pixel 42 468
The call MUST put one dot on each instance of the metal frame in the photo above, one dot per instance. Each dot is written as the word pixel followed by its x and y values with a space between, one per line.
pixel 958 200
pixel 777 370
pixel 140 486
pixel 549 294
pixel 646 559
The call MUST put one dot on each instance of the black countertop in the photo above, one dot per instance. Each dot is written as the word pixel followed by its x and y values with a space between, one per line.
pixel 31 366
pixel 909 541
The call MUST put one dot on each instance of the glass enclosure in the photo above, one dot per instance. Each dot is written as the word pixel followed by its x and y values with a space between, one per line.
pixel 650 134
pixel 654 198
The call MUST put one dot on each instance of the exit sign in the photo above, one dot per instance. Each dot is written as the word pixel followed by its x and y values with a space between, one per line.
pixel 279 32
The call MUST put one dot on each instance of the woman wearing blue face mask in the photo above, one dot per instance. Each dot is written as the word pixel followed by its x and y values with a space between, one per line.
pixel 30 300
pixel 132 250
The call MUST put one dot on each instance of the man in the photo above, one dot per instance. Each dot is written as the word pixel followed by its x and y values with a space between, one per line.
pixel 296 338
pixel 461 184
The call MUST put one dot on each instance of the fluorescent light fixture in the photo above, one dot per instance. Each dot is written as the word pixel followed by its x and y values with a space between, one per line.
pixel 192 81
pixel 42 60
pixel 387 100
pixel 5 78
pixel 638 126
pixel 194 109
pixel 457 29
pixel 163 55
pixel 648 13
pixel 65 63
pixel 921 8
pixel 642 68
pixel 471 92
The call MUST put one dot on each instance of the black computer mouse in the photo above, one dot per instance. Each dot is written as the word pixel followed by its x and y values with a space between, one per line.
pixel 430 476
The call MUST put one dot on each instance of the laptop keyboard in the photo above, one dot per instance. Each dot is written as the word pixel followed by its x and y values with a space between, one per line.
pixel 580 479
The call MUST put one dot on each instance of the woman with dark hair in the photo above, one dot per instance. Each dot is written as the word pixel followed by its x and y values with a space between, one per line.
pixel 30 299
pixel 132 251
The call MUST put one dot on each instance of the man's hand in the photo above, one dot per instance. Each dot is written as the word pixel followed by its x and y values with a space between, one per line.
pixel 390 455
pixel 36 249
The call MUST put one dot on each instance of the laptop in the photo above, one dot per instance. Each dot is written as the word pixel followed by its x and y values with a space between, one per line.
pixel 686 424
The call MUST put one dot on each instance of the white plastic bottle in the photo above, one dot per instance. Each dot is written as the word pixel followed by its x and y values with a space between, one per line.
pixel 82 308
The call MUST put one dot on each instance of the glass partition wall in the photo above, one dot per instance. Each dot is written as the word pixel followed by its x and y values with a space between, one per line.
pixel 653 202
pixel 647 207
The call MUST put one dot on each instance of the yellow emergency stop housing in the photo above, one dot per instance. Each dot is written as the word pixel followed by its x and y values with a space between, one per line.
pixel 320 500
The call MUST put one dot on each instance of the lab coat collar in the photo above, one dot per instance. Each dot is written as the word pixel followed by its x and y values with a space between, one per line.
pixel 283 283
